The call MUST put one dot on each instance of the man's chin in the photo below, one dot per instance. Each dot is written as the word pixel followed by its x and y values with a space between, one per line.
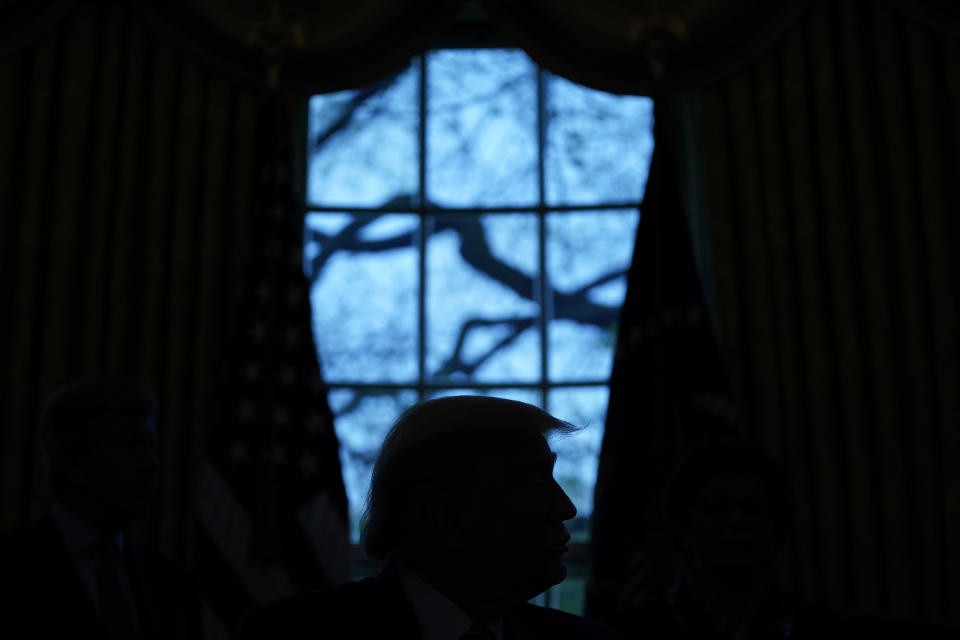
pixel 552 575
pixel 560 573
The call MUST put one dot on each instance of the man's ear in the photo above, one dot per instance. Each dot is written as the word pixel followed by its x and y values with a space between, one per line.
pixel 440 513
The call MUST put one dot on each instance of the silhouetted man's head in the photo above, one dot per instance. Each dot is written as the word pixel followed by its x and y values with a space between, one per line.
pixel 466 483
pixel 100 444
pixel 730 506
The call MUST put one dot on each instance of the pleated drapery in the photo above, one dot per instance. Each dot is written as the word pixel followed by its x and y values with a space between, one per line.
pixel 124 167
pixel 831 171
pixel 126 149
pixel 827 147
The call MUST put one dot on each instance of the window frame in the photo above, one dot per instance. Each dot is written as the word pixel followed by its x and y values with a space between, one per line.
pixel 473 38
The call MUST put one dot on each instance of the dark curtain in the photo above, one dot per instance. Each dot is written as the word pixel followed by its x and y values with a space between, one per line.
pixel 626 46
pixel 123 169
pixel 820 151
pixel 831 168
pixel 127 161
pixel 817 146
pixel 302 46
pixel 668 391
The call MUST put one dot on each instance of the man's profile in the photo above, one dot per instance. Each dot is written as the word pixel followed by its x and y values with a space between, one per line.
pixel 74 573
pixel 465 512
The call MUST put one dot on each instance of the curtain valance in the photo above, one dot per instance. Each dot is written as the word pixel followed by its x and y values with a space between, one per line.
pixel 623 46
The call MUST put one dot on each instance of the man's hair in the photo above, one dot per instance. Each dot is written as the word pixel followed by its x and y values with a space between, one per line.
pixel 68 416
pixel 440 441
pixel 727 456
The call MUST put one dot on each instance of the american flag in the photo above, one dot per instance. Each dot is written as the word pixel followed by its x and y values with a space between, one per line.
pixel 272 510
pixel 668 389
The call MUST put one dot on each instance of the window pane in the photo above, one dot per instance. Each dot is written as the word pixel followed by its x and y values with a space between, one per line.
pixel 481 305
pixel 481 128
pixel 598 145
pixel 362 419
pixel 363 144
pixel 588 255
pixel 577 454
pixel 364 297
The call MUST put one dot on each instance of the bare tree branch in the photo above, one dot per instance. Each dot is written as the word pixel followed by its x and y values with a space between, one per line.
pixel 476 252
pixel 604 279
pixel 479 98
pixel 349 110
pixel 455 363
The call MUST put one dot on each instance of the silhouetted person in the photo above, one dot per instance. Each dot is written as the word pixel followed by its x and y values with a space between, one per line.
pixel 464 509
pixel 729 507
pixel 74 574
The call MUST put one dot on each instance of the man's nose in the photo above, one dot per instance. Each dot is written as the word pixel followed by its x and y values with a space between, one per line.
pixel 563 505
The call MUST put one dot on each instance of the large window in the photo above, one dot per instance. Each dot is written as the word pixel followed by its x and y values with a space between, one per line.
pixel 470 223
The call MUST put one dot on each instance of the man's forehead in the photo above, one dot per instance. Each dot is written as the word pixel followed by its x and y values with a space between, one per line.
pixel 523 444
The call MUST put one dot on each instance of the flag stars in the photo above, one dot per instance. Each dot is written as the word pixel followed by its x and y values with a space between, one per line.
pixel 264 292
pixel 251 372
pixel 308 465
pixel 245 412
pixel 294 297
pixel 237 452
pixel 281 417
pixel 258 331
pixel 314 423
pixel 287 376
pixel 291 337
pixel 277 455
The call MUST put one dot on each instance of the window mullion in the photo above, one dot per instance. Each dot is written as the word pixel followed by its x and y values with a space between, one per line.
pixel 422 236
pixel 479 210
pixel 546 301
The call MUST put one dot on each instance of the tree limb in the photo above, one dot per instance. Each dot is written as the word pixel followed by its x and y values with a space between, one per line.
pixel 476 252
pixel 455 363
pixel 349 110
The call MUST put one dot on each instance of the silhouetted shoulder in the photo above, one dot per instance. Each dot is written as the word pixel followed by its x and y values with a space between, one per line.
pixel 377 608
pixel 168 598
pixel 530 621
pixel 368 608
